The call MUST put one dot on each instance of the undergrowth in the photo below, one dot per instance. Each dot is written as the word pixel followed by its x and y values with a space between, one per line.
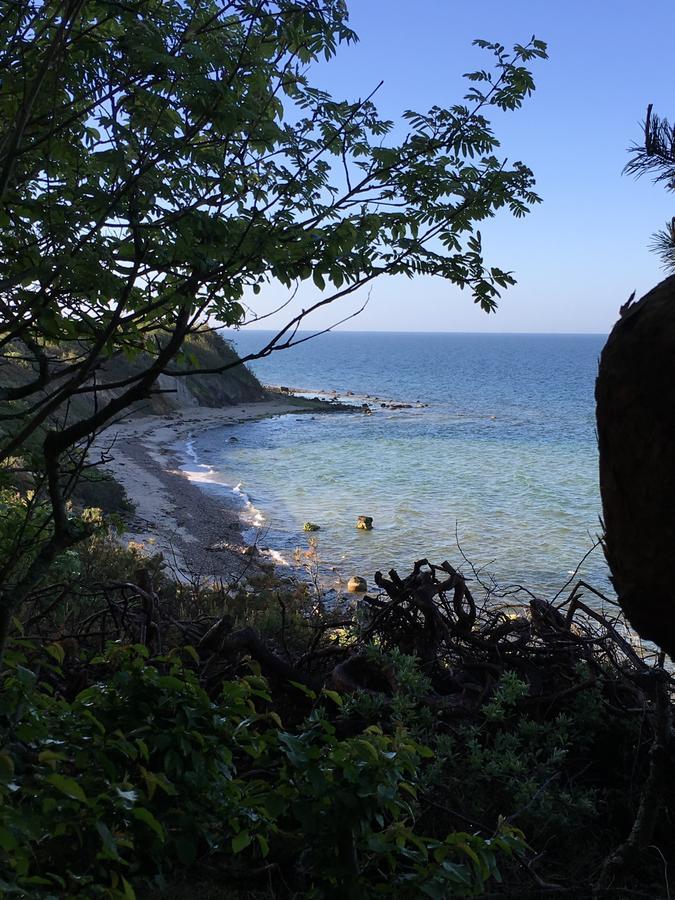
pixel 162 740
pixel 143 774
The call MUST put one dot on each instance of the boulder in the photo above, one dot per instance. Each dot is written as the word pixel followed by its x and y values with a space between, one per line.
pixel 365 523
pixel 357 585
pixel 635 395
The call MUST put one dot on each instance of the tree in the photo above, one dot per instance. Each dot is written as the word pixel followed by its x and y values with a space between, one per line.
pixel 656 156
pixel 162 159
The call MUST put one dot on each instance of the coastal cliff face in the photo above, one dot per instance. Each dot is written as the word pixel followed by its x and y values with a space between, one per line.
pixel 205 351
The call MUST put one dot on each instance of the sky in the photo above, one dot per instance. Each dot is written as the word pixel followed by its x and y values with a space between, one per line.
pixel 580 253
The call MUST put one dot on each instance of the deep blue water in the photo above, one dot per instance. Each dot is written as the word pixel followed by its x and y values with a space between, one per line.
pixel 504 457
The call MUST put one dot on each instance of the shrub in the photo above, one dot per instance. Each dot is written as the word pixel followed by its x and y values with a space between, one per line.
pixel 144 774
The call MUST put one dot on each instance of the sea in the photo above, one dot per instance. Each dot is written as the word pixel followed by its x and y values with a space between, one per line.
pixel 491 463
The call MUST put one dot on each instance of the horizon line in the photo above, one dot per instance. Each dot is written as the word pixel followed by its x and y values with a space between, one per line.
pixel 320 331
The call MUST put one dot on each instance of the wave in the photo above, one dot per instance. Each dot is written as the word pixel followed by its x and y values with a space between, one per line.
pixel 202 473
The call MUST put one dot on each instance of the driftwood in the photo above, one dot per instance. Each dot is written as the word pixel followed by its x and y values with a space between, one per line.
pixel 431 613
pixel 272 665
pixel 463 646
pixel 359 672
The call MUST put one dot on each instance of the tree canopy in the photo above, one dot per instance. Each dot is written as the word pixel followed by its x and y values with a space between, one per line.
pixel 162 160
pixel 655 156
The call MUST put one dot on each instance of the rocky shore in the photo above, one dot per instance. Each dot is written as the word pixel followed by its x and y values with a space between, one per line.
pixel 201 538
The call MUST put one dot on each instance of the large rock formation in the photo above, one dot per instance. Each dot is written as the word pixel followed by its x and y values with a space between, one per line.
pixel 635 395
pixel 207 350
pixel 203 351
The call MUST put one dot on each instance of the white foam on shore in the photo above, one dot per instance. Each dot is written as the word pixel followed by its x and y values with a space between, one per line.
pixel 252 518
pixel 255 516
pixel 206 474
pixel 190 448
pixel 277 558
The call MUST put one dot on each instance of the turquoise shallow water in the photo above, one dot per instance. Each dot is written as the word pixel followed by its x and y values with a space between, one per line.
pixel 503 458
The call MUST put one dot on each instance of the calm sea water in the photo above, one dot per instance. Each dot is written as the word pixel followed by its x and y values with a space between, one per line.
pixel 503 460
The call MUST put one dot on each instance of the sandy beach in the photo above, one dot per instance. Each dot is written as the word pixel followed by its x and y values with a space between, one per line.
pixel 200 537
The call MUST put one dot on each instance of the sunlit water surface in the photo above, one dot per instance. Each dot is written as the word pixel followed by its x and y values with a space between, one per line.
pixel 503 460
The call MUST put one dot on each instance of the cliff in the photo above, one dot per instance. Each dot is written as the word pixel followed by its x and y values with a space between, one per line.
pixel 201 351
pixel 205 351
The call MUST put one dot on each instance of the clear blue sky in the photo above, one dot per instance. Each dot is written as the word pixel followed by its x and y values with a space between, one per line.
pixel 580 253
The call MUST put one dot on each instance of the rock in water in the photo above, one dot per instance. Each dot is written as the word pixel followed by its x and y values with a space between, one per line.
pixel 357 585
pixel 635 410
pixel 365 523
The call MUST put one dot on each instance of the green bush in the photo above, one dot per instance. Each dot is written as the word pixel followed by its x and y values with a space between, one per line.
pixel 97 488
pixel 357 799
pixel 133 778
pixel 557 770
pixel 143 774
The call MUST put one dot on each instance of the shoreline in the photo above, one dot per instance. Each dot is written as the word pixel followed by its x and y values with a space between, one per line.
pixel 200 536
pixel 209 535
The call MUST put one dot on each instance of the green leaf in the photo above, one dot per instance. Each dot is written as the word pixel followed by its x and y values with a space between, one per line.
pixel 368 748
pixel 240 841
pixel 128 893
pixel 7 840
pixel 334 696
pixel 144 815
pixel 263 844
pixel 57 651
pixel 109 843
pixel 67 786
pixel 24 676
pixel 308 692
pixel 318 280
pixel 6 767
pixel 189 649
pixel 425 752
pixel 50 756
pixel 171 683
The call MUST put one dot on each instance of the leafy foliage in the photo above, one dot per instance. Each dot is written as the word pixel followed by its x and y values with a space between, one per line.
pixel 413 784
pixel 143 773
pixel 161 161
pixel 656 156
pixel 565 776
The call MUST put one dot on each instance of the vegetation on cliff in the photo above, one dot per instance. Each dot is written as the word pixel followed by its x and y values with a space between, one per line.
pixel 202 350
